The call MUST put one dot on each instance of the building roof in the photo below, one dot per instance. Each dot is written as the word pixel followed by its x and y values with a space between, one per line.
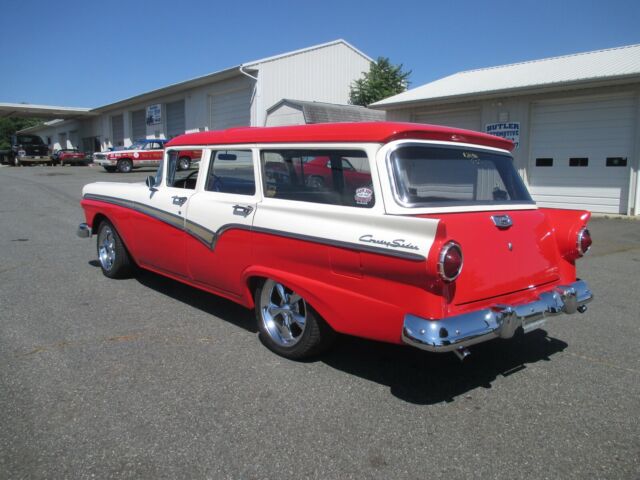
pixel 219 75
pixel 372 132
pixel 620 64
pixel 320 112
pixel 43 111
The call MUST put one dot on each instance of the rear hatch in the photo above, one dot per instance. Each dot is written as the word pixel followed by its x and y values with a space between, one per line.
pixel 501 260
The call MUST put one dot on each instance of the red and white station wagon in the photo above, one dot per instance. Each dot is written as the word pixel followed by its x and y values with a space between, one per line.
pixel 397 232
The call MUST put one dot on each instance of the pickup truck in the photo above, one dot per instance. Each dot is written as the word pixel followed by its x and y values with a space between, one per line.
pixel 26 149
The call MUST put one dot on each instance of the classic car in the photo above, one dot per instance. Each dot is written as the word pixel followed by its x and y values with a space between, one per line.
pixel 440 248
pixel 142 153
pixel 70 156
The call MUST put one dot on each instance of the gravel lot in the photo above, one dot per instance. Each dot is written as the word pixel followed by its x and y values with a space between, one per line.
pixel 146 378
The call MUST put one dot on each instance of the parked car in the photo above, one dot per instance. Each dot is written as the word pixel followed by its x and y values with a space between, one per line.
pixel 26 149
pixel 437 244
pixel 70 156
pixel 142 153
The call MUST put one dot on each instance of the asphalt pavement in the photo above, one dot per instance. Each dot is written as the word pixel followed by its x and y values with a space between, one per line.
pixel 147 378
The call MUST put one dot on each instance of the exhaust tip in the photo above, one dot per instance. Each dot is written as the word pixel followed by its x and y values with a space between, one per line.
pixel 462 353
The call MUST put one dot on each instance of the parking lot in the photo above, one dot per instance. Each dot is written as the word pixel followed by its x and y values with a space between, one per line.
pixel 147 378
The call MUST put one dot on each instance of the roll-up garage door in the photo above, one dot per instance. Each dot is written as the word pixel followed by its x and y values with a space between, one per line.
pixel 581 153
pixel 175 119
pixel 117 130
pixel 232 109
pixel 467 119
pixel 138 125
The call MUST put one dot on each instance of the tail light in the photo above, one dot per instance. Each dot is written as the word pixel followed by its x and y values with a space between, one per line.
pixel 450 261
pixel 583 241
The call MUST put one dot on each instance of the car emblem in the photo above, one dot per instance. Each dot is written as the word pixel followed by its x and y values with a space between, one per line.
pixel 502 221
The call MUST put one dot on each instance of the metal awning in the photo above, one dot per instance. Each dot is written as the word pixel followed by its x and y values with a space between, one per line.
pixel 46 112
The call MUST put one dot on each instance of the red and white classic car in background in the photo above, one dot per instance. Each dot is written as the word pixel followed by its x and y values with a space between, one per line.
pixel 70 156
pixel 413 234
pixel 142 153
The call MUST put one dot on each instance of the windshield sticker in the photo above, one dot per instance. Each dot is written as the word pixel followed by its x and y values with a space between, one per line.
pixel 363 196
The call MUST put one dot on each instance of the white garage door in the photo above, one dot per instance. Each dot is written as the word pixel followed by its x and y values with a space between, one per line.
pixel 467 119
pixel 138 125
pixel 581 154
pixel 232 109
pixel 117 130
pixel 175 119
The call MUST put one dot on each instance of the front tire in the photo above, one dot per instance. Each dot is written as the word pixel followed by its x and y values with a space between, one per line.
pixel 287 324
pixel 125 165
pixel 112 254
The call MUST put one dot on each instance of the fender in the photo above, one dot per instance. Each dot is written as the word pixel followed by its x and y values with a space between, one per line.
pixel 346 312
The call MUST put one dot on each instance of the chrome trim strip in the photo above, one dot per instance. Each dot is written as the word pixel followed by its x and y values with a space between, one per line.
pixel 210 238
pixel 499 321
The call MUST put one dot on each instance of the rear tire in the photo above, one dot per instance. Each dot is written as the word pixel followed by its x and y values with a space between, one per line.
pixel 125 165
pixel 287 324
pixel 113 257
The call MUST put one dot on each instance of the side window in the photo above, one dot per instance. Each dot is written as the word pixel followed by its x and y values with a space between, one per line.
pixel 334 177
pixel 231 171
pixel 179 178
pixel 155 146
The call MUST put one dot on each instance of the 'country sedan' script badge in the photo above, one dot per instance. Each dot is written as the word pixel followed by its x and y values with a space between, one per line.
pixel 397 243
pixel 502 221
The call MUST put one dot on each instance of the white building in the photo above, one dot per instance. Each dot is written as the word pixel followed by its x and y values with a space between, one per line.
pixel 576 119
pixel 237 96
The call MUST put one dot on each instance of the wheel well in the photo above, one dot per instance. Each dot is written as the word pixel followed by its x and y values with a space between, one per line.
pixel 253 283
pixel 126 158
pixel 97 220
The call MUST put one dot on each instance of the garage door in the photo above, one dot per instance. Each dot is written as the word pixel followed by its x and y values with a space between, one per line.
pixel 232 109
pixel 581 154
pixel 175 119
pixel 138 125
pixel 117 130
pixel 467 119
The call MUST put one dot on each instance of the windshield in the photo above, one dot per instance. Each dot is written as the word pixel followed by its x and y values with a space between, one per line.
pixel 29 140
pixel 446 176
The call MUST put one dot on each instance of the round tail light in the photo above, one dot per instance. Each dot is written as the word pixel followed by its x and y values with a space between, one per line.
pixel 583 241
pixel 450 261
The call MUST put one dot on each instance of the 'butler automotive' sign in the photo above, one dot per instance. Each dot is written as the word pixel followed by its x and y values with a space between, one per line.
pixel 510 131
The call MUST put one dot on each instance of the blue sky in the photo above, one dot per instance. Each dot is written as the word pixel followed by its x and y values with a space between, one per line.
pixel 90 53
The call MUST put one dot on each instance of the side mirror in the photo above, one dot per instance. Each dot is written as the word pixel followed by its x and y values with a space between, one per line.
pixel 151 182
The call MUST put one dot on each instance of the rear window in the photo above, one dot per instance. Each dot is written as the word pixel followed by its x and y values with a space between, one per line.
pixel 29 140
pixel 446 176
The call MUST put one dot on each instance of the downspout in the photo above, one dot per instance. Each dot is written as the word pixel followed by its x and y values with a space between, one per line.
pixel 254 96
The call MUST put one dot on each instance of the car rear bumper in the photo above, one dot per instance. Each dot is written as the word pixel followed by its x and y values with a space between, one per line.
pixel 499 321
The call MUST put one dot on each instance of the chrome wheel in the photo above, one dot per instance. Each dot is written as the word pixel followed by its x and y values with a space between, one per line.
pixel 106 248
pixel 183 163
pixel 283 313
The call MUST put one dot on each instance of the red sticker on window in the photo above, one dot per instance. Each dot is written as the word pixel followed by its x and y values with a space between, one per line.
pixel 363 196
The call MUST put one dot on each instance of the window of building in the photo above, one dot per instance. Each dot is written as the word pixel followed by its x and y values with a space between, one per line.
pixel 616 161
pixel 231 171
pixel 579 162
pixel 544 162
pixel 335 177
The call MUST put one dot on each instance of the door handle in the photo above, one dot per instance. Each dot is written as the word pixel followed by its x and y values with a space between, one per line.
pixel 178 200
pixel 242 210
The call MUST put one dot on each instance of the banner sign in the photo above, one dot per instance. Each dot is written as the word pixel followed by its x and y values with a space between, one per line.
pixel 510 131
pixel 154 114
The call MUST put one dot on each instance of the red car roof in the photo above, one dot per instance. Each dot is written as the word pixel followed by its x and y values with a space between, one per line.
pixel 375 132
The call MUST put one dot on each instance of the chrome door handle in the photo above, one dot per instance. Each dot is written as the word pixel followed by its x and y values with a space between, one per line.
pixel 242 210
pixel 178 200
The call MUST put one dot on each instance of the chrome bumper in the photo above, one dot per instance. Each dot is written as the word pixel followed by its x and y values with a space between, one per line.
pixel 84 230
pixel 500 321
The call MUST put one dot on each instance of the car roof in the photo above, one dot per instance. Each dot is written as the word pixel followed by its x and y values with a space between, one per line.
pixel 150 140
pixel 374 132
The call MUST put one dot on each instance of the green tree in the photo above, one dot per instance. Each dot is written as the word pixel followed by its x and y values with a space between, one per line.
pixel 10 125
pixel 381 81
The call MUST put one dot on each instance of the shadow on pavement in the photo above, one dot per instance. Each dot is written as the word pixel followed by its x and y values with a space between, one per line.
pixel 206 302
pixel 427 378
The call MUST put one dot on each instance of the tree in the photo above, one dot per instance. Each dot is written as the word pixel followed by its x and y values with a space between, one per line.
pixel 381 81
pixel 10 125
